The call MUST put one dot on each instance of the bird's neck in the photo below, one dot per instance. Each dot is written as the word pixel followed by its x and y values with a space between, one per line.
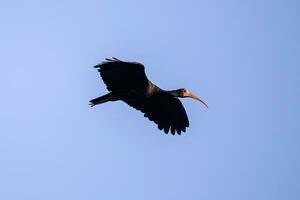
pixel 173 93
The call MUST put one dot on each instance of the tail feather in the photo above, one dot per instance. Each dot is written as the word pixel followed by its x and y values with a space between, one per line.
pixel 101 99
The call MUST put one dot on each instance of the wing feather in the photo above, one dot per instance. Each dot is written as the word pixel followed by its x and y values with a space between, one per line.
pixel 164 110
pixel 120 75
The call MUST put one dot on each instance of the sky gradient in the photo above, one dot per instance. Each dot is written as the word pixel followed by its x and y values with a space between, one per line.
pixel 242 57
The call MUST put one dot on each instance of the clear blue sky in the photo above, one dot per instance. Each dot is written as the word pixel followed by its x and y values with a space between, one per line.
pixel 242 57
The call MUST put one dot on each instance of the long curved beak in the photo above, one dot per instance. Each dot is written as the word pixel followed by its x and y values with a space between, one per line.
pixel 195 97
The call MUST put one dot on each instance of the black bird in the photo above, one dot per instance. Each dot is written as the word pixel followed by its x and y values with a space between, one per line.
pixel 128 82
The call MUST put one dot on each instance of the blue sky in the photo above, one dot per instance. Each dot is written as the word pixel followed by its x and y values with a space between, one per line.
pixel 242 57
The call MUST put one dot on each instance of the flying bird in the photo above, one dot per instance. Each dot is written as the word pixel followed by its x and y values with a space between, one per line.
pixel 127 81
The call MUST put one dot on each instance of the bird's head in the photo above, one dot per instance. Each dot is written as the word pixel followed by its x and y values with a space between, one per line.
pixel 183 92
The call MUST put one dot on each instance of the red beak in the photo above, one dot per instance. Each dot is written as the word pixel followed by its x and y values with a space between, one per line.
pixel 188 94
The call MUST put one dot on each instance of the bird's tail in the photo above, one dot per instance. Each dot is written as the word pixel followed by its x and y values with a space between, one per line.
pixel 101 99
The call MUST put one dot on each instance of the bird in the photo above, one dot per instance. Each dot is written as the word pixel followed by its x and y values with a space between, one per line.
pixel 127 81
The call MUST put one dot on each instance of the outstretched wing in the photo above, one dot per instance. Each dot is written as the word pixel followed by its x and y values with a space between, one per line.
pixel 166 111
pixel 120 75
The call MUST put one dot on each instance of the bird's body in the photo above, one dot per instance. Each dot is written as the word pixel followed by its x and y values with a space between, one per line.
pixel 127 81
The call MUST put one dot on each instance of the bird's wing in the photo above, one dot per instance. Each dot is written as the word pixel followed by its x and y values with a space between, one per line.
pixel 120 75
pixel 166 111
